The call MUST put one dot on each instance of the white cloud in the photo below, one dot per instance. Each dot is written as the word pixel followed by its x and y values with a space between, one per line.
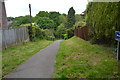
pixel 20 7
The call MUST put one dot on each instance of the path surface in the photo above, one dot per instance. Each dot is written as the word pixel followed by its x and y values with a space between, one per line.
pixel 40 65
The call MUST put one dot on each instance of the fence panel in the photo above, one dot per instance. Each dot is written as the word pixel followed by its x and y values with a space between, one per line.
pixel 14 36
pixel 82 33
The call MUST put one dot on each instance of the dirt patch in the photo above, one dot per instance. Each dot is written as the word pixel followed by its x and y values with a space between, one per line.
pixel 75 56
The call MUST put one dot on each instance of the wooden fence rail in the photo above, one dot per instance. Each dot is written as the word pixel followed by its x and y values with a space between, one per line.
pixel 14 36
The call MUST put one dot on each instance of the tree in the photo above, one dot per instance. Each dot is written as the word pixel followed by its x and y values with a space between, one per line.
pixel 78 18
pixel 51 15
pixel 21 20
pixel 70 18
pixel 10 18
pixel 63 19
pixel 61 30
pixel 55 17
pixel 45 23
pixel 42 14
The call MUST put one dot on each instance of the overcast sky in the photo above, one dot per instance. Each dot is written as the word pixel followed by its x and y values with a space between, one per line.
pixel 16 8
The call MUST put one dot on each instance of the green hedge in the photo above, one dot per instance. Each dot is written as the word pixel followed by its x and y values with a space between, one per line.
pixel 103 18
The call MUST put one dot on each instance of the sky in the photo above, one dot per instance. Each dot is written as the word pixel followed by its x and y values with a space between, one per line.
pixel 16 8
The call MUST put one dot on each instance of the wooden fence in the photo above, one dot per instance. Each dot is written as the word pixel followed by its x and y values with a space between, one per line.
pixel 82 33
pixel 14 36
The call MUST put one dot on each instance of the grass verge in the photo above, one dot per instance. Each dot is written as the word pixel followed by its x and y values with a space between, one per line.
pixel 14 56
pixel 77 58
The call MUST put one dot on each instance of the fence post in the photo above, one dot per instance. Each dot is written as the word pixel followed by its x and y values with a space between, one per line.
pixel 118 51
pixel 30 27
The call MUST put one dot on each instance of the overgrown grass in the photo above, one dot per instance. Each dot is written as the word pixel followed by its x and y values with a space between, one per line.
pixel 77 58
pixel 14 56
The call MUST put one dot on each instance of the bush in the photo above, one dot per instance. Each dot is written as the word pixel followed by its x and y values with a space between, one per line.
pixel 50 38
pixel 65 36
pixel 40 33
pixel 70 32
pixel 36 31
pixel 60 31
pixel 49 34
pixel 79 24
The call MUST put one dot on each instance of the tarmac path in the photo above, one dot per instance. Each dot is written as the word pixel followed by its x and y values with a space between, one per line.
pixel 40 65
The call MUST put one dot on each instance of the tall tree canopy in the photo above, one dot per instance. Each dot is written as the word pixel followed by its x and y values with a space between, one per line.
pixel 63 19
pixel 43 14
pixel 51 15
pixel 70 18
pixel 10 18
pixel 21 20
pixel 45 23
pixel 55 17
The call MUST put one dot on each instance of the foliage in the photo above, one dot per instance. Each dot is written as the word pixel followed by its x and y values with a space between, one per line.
pixel 24 25
pixel 50 38
pixel 70 18
pixel 70 32
pixel 10 18
pixel 103 20
pixel 63 19
pixel 37 32
pixel 55 17
pixel 65 36
pixel 63 32
pixel 32 33
pixel 40 33
pixel 77 58
pixel 42 14
pixel 60 31
pixel 49 34
pixel 51 15
pixel 79 24
pixel 21 20
pixel 45 23
pixel 16 55
pixel 78 18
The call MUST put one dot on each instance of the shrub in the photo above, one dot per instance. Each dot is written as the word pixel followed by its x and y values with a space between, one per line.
pixel 65 36
pixel 49 34
pixel 50 38
pixel 40 33
pixel 60 31
pixel 70 32
pixel 79 24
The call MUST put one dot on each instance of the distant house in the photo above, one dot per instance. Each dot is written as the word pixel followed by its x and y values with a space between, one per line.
pixel 3 16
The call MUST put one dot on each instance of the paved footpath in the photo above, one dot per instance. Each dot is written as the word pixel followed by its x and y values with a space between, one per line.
pixel 40 65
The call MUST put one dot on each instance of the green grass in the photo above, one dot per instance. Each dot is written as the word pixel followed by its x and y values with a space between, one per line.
pixel 14 56
pixel 77 58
